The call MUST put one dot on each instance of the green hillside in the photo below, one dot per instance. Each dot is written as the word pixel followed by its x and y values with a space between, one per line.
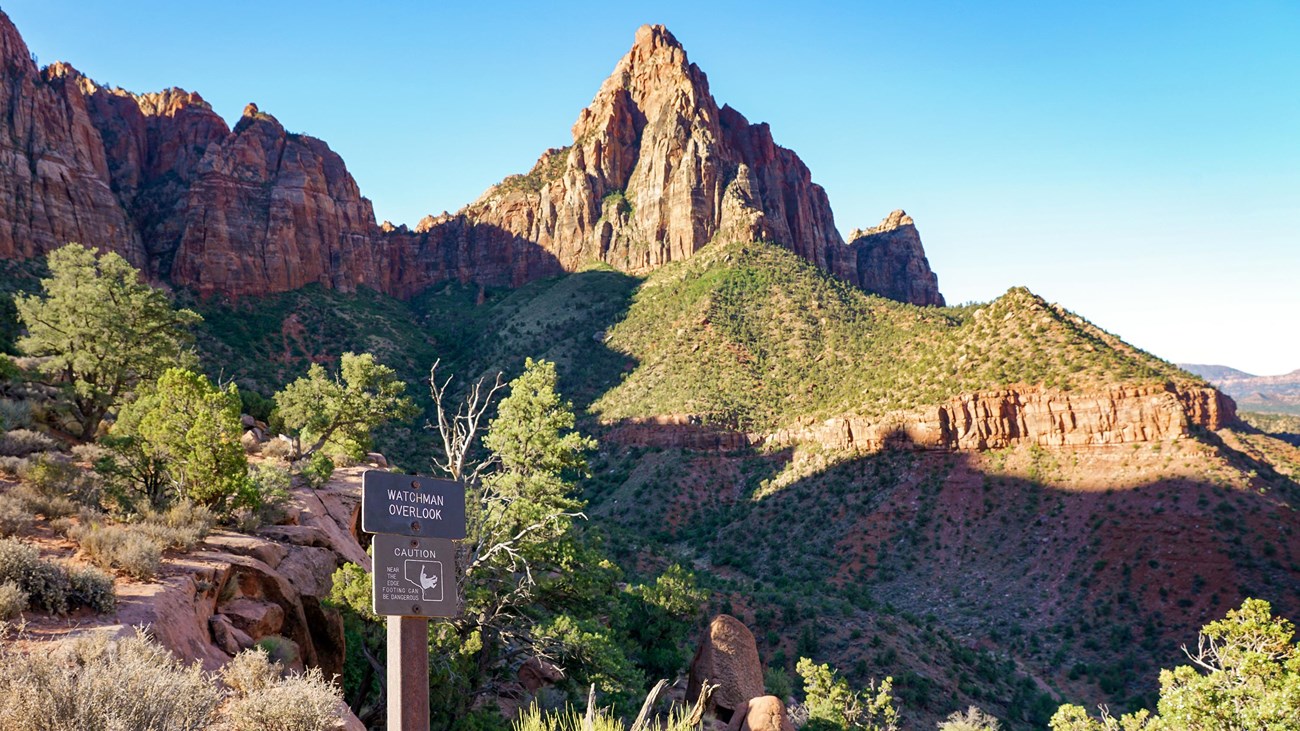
pixel 751 336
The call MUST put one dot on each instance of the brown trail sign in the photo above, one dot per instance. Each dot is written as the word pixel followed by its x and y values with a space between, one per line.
pixel 414 519
pixel 411 505
pixel 415 577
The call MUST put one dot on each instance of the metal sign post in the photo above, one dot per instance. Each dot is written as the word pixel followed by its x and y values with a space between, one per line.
pixel 414 519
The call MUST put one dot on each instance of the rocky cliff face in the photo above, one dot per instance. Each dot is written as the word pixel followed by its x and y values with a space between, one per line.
pixel 978 421
pixel 54 184
pixel 656 170
pixel 888 259
pixel 270 211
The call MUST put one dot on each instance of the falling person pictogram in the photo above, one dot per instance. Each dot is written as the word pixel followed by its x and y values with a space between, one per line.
pixel 428 576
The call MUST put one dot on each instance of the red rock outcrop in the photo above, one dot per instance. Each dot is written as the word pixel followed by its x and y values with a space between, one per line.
pixel 980 420
pixel 1046 417
pixel 764 713
pixel 889 260
pixel 728 658
pixel 271 211
pixel 656 170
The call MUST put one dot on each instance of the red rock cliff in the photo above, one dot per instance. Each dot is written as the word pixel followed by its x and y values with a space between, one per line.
pixel 53 169
pixel 980 420
pixel 656 170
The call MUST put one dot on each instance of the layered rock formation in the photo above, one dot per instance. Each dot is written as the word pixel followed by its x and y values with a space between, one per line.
pixel 656 170
pixel 234 590
pixel 982 420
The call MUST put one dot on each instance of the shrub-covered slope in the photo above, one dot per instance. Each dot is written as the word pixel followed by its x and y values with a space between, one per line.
pixel 750 336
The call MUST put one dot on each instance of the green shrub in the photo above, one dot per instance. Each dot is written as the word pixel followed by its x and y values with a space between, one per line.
pixel 272 486
pixel 267 700
pixel 317 469
pixel 280 650
pixel 14 515
pixel 122 547
pixel 15 414
pixel 98 683
pixel 778 682
pixel 189 429
pixel 90 587
pixel 51 474
pixel 46 583
pixel 832 704
pixel 13 600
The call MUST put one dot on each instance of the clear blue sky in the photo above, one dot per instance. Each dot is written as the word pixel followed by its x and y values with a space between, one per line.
pixel 1137 162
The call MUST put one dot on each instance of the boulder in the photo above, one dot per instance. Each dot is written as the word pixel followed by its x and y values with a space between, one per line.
pixel 227 636
pixel 377 459
pixel 536 674
pixel 256 618
pixel 764 713
pixel 250 442
pixel 728 658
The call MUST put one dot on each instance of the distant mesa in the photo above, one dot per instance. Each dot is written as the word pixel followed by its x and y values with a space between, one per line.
pixel 656 171
pixel 1268 394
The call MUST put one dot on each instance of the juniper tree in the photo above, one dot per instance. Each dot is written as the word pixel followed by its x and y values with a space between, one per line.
pixel 101 331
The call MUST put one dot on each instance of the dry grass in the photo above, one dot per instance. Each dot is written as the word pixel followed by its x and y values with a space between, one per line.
pixel 137 685
pixel 265 699
pixel 95 683
pixel 119 547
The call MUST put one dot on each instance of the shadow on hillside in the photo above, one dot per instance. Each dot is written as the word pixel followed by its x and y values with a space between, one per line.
pixel 1037 553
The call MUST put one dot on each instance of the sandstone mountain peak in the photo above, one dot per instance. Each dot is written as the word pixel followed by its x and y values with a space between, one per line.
pixel 656 170
pixel 896 219
pixel 12 46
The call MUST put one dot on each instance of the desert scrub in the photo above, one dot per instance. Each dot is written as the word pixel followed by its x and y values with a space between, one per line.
pixel 181 526
pixel 51 586
pixel 750 336
pixel 33 499
pixel 90 587
pixel 98 683
pixel 603 719
pixel 24 442
pixel 265 699
pixel 14 515
pixel 121 547
pixel 13 600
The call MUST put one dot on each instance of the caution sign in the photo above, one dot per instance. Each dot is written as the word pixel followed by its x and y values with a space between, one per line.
pixel 412 505
pixel 415 577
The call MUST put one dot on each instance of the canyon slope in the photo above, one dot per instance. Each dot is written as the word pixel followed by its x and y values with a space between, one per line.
pixel 657 170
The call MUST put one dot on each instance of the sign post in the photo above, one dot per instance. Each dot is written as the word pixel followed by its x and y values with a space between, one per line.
pixel 414 520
